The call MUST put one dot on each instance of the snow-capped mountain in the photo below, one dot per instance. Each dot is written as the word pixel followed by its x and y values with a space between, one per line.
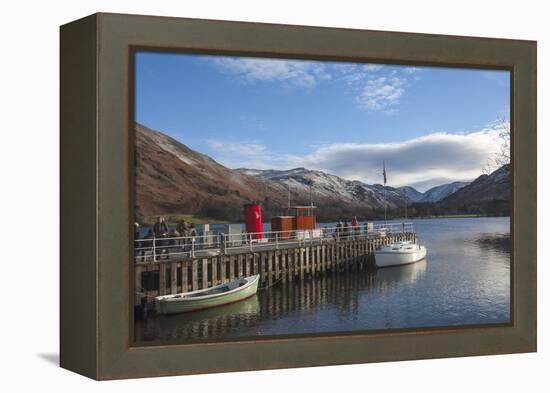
pixel 488 194
pixel 435 194
pixel 412 194
pixel 326 186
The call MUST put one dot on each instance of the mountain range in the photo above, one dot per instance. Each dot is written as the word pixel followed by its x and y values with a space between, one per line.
pixel 171 178
pixel 324 184
pixel 489 194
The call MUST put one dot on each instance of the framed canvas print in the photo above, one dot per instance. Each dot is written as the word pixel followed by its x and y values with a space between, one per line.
pixel 241 196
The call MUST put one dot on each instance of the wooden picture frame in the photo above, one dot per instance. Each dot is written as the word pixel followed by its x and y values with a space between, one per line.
pixel 97 190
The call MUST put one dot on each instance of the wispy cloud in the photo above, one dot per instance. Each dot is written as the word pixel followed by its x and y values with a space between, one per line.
pixel 247 154
pixel 294 72
pixel 246 149
pixel 411 70
pixel 375 87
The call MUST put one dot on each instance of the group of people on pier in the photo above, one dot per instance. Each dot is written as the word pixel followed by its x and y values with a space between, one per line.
pixel 164 239
pixel 344 229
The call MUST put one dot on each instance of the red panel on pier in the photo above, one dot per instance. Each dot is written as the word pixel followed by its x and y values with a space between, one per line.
pixel 254 220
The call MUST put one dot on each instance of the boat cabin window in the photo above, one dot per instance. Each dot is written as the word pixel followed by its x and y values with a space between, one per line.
pixel 302 211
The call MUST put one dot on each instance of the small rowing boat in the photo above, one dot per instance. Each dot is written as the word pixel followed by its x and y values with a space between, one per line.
pixel 400 253
pixel 219 295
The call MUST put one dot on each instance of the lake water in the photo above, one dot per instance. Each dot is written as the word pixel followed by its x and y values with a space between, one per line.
pixel 465 280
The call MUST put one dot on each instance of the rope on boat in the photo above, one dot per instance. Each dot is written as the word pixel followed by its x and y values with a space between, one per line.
pixel 269 286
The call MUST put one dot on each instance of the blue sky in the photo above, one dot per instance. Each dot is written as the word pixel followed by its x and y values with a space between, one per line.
pixel 431 125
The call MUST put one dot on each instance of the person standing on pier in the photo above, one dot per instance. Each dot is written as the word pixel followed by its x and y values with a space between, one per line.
pixel 193 234
pixel 346 230
pixel 338 232
pixel 173 241
pixel 147 242
pixel 183 228
pixel 355 227
pixel 160 228
pixel 193 231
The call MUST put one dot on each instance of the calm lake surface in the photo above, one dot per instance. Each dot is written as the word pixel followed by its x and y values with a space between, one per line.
pixel 464 280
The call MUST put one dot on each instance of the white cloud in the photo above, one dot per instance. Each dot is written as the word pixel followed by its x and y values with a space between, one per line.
pixel 381 93
pixel 372 67
pixel 424 161
pixel 301 73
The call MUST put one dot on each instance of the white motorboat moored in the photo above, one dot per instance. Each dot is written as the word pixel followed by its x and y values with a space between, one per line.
pixel 400 253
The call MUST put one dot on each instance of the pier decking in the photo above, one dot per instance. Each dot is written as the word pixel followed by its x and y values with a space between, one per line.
pixel 181 265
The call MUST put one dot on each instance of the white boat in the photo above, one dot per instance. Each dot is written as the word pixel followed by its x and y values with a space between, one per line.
pixel 400 253
pixel 219 295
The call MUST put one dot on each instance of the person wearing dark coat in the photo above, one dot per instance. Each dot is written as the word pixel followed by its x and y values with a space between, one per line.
pixel 193 231
pixel 148 245
pixel 192 234
pixel 183 228
pixel 173 242
pixel 346 229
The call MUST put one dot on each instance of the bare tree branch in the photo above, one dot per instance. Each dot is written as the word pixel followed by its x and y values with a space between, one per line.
pixel 502 157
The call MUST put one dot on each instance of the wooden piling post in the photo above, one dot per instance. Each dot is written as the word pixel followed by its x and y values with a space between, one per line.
pixel 223 269
pixel 162 279
pixel 302 263
pixel 214 261
pixel 184 279
pixel 204 273
pixel 195 274
pixel 272 258
pixel 232 267
pixel 173 278
pixel 240 258
pixel 284 259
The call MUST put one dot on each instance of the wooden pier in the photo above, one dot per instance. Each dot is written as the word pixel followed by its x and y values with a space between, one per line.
pixel 170 275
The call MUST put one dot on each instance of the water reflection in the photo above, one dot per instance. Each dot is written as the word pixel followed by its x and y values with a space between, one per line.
pixel 496 242
pixel 401 274
pixel 339 294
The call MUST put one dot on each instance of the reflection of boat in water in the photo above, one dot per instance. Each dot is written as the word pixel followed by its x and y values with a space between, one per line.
pixel 247 307
pixel 401 274
pixel 219 295
pixel 400 253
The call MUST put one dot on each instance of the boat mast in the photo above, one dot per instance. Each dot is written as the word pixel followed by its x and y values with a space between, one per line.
pixel 406 203
pixel 385 200
pixel 288 188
